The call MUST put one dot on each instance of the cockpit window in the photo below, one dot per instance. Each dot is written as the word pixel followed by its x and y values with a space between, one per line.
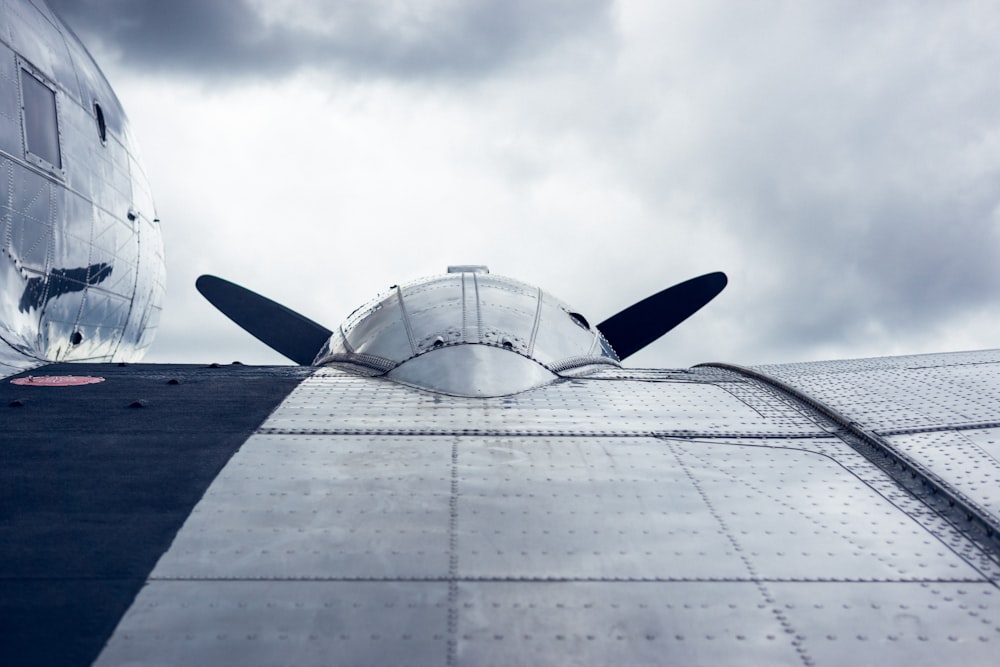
pixel 41 126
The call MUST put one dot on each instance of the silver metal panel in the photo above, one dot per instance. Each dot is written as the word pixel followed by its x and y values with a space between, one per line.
pixel 472 370
pixel 939 412
pixel 648 509
pixel 268 623
pixel 381 333
pixel 911 624
pixel 432 305
pixel 987 439
pixel 422 319
pixel 32 35
pixel 601 623
pixel 958 460
pixel 921 391
pixel 309 507
pixel 577 406
pixel 584 508
pixel 796 515
pixel 11 139
pixel 560 336
pixel 506 313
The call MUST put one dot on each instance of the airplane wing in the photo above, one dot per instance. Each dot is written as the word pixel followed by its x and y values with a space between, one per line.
pixel 803 514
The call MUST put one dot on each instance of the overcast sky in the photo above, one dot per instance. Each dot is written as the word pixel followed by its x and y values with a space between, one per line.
pixel 840 161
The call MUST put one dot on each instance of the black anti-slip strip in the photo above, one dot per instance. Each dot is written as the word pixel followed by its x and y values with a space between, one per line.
pixel 95 482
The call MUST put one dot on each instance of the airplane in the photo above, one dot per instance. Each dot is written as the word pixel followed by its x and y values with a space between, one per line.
pixel 464 472
pixel 82 268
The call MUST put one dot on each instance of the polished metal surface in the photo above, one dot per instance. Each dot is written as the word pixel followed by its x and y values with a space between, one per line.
pixel 939 412
pixel 81 263
pixel 413 333
pixel 285 623
pixel 628 517
pixel 675 404
pixel 472 370
pixel 362 507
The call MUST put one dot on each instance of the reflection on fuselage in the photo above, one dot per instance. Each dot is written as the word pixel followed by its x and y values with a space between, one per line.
pixel 75 207
pixel 41 290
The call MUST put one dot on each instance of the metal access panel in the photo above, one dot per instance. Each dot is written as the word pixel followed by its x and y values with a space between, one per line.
pixel 315 507
pixel 283 623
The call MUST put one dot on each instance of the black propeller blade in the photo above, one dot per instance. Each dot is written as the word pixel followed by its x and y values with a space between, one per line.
pixel 640 324
pixel 281 329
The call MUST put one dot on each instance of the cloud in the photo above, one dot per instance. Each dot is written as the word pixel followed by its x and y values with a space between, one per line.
pixel 849 154
pixel 841 162
pixel 238 39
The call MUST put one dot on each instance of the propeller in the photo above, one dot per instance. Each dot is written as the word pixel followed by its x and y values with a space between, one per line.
pixel 300 339
pixel 283 330
pixel 640 324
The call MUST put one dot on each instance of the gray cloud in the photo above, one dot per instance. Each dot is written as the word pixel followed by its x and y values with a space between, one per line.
pixel 241 39
pixel 841 162
pixel 853 156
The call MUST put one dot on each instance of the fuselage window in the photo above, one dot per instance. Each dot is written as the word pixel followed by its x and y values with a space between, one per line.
pixel 41 127
pixel 102 127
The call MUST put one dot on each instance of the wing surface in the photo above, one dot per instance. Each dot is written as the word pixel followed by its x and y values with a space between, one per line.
pixel 701 516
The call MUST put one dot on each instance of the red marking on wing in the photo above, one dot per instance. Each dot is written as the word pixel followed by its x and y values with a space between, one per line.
pixel 56 380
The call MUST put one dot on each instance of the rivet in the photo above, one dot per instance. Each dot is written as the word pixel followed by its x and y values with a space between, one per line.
pixel 17 403
pixel 139 403
pixel 173 381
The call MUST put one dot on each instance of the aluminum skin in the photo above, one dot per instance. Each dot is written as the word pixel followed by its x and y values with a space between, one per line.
pixel 467 333
pixel 631 516
pixel 81 263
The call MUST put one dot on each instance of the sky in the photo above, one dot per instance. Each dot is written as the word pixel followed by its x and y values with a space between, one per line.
pixel 840 161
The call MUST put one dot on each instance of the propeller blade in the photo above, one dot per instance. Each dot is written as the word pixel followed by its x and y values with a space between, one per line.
pixel 281 329
pixel 640 324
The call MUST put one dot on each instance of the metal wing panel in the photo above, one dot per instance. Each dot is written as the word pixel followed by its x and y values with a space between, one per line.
pixel 599 508
pixel 960 461
pixel 938 412
pixel 922 391
pixel 689 517
pixel 619 623
pixel 270 622
pixel 576 406
pixel 303 506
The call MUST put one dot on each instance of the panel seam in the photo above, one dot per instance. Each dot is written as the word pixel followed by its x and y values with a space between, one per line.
pixel 953 506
